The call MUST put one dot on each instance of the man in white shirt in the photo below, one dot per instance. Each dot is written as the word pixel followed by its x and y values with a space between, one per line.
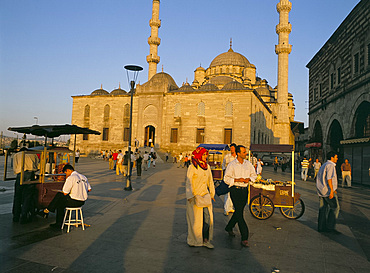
pixel 326 186
pixel 146 158
pixel 119 166
pixel 238 174
pixel 228 204
pixel 74 194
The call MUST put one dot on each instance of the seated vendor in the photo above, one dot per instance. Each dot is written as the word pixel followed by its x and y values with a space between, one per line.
pixel 74 194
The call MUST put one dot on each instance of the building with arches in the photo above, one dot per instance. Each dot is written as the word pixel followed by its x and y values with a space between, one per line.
pixel 339 94
pixel 225 103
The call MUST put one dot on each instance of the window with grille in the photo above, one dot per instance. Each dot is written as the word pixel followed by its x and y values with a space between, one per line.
pixel 201 109
pixel 126 134
pixel 174 135
pixel 105 134
pixel 228 136
pixel 200 135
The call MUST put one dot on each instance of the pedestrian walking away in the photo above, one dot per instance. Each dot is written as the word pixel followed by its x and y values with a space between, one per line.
pixel 305 163
pixel 326 185
pixel 238 175
pixel 77 156
pixel 199 192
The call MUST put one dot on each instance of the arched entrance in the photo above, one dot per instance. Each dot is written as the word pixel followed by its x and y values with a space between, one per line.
pixel 334 138
pixel 316 151
pixel 149 136
pixel 362 120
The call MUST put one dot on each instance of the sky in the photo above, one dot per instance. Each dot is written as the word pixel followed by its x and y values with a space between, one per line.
pixel 51 50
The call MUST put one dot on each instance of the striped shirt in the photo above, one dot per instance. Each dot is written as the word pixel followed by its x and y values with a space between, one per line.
pixel 305 163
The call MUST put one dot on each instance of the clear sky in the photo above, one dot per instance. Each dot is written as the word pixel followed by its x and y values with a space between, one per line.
pixel 51 50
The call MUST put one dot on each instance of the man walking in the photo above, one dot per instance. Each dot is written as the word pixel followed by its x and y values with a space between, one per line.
pixel 305 163
pixel 326 185
pixel 238 174
pixel 346 173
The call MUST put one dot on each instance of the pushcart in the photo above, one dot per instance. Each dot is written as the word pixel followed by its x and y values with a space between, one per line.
pixel 215 159
pixel 265 195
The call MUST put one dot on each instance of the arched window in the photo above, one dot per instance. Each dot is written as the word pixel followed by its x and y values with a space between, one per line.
pixel 201 109
pixel 87 112
pixel 229 109
pixel 126 111
pixel 106 112
pixel 177 112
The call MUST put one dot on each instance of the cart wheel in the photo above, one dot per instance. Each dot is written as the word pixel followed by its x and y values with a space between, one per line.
pixel 261 207
pixel 295 212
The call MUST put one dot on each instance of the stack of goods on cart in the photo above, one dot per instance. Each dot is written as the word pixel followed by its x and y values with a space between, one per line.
pixel 268 184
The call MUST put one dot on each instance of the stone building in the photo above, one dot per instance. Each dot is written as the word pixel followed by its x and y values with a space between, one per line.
pixel 225 103
pixel 339 94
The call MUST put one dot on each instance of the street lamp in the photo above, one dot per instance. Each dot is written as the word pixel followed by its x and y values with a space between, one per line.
pixel 132 73
pixel 37 119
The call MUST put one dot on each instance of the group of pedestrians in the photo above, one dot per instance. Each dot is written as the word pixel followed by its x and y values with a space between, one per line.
pixel 200 191
pixel 182 160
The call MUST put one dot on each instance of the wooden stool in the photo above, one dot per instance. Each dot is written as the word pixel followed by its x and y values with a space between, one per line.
pixel 73 221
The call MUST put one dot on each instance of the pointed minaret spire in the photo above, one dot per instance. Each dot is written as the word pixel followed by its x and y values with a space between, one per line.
pixel 162 67
pixel 283 50
pixel 101 86
pixel 119 85
pixel 154 41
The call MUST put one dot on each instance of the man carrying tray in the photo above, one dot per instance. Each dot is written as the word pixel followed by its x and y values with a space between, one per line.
pixel 238 174
pixel 73 194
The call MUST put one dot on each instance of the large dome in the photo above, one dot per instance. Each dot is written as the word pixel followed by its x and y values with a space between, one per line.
pixel 230 58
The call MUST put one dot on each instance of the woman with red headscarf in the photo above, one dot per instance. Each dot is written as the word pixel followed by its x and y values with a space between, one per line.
pixel 199 192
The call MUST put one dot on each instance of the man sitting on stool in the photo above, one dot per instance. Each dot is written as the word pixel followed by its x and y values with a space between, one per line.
pixel 74 194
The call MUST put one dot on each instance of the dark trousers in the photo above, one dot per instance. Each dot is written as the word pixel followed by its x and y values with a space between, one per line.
pixel 24 195
pixel 60 202
pixel 76 159
pixel 239 196
pixel 328 213
pixel 206 223
pixel 138 168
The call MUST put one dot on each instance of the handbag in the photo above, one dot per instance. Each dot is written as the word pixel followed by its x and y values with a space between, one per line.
pixel 203 201
pixel 222 188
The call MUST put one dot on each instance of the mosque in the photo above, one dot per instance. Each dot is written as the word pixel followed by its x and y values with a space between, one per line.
pixel 226 102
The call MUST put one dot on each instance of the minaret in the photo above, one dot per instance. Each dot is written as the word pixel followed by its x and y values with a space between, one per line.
pixel 153 40
pixel 283 50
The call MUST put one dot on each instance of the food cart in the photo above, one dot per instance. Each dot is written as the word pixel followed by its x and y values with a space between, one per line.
pixel 215 159
pixel 265 195
pixel 50 178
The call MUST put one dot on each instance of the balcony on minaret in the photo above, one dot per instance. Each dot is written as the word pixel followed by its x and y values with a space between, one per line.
pixel 284 5
pixel 286 28
pixel 152 59
pixel 283 48
pixel 154 40
pixel 155 23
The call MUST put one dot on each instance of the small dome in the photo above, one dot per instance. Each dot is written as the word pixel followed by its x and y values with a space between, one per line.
pixel 99 92
pixel 200 69
pixel 118 91
pixel 234 85
pixel 230 58
pixel 208 87
pixel 221 80
pixel 263 91
pixel 186 87
pixel 164 77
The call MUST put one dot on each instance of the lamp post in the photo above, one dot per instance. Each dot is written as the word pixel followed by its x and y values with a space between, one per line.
pixel 132 73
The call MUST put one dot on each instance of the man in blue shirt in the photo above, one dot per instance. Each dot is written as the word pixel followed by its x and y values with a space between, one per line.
pixel 326 185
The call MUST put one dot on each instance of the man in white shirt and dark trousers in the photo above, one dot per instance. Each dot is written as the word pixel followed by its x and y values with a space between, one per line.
pixel 326 186
pixel 238 174
pixel 74 194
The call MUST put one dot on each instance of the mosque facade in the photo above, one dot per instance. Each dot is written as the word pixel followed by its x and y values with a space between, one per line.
pixel 225 103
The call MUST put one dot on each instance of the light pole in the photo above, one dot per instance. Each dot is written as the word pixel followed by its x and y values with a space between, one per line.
pixel 132 73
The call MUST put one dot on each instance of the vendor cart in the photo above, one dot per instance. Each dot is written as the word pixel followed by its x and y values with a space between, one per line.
pixel 215 159
pixel 49 178
pixel 265 195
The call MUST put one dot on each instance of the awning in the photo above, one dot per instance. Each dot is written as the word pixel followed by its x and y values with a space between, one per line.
pixel 313 145
pixel 218 147
pixel 271 148
pixel 52 131
pixel 355 141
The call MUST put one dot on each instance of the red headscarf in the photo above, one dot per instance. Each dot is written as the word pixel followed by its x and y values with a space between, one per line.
pixel 196 158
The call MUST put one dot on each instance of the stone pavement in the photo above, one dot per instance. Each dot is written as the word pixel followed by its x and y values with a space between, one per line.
pixel 145 231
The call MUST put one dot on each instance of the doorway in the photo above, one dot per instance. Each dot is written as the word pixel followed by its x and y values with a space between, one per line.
pixel 149 138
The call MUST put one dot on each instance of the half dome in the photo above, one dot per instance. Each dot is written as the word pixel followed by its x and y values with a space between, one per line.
pixel 164 77
pixel 118 91
pixel 208 87
pixel 234 85
pixel 186 87
pixel 221 80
